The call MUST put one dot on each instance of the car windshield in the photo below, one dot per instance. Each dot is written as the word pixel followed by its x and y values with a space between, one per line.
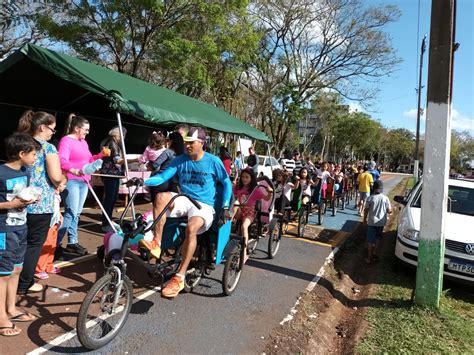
pixel 460 200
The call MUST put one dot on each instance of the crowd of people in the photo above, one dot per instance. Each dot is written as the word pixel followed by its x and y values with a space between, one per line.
pixel 32 228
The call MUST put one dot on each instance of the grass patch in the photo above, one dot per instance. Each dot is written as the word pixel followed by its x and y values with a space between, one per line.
pixel 398 326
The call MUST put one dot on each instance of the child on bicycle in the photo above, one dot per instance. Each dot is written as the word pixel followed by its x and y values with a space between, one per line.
pixel 247 194
pixel 306 182
pixel 283 189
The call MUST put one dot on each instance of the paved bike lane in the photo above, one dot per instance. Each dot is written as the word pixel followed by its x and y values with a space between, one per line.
pixel 201 322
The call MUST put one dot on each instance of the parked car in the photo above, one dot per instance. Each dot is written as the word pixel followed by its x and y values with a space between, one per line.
pixel 266 165
pixel 459 235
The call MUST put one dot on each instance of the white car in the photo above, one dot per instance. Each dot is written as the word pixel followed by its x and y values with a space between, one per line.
pixel 459 235
pixel 266 165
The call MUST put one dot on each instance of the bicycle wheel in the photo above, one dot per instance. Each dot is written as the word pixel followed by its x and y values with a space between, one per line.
pixel 302 221
pixel 232 271
pixel 99 321
pixel 321 210
pixel 274 240
pixel 195 270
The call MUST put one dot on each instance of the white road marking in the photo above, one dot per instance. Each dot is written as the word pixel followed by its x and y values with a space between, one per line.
pixel 311 285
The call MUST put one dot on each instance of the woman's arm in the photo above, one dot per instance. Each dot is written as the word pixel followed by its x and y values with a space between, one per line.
pixel 53 168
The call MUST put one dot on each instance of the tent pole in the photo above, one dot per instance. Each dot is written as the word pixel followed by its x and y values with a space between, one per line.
pixel 122 139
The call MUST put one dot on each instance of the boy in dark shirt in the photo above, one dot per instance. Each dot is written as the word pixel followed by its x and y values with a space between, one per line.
pixel 14 178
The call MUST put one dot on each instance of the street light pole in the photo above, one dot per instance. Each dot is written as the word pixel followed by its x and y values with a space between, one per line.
pixel 418 114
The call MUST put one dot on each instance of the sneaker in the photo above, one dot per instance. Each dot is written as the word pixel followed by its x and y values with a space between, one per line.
pixel 54 270
pixel 36 288
pixel 75 249
pixel 152 246
pixel 175 286
pixel 42 275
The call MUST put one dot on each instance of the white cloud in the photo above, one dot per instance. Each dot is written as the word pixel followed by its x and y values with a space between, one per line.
pixel 412 114
pixel 459 122
pixel 355 107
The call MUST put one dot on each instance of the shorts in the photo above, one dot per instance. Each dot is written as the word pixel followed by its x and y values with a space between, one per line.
pixel 12 250
pixel 248 212
pixel 374 234
pixel 183 207
pixel 363 196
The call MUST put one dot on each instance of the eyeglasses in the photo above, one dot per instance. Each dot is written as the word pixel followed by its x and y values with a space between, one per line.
pixel 85 129
pixel 53 131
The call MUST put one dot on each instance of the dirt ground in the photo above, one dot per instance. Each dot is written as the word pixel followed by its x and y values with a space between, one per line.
pixel 330 319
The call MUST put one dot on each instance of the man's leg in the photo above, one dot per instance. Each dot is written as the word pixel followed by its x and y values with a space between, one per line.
pixel 161 200
pixel 176 284
pixel 189 247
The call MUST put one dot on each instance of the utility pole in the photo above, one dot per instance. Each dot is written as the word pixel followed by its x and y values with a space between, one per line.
pixel 416 157
pixel 429 275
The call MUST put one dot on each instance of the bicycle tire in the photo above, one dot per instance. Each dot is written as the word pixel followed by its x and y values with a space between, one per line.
pixel 321 209
pixel 232 271
pixel 274 240
pixel 302 221
pixel 195 271
pixel 83 326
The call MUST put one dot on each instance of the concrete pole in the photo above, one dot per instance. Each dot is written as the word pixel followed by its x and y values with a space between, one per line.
pixel 429 276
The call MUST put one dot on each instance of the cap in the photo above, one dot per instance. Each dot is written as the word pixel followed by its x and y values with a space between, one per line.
pixel 378 186
pixel 195 134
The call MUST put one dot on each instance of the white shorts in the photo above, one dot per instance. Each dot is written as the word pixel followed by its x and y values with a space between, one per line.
pixel 183 207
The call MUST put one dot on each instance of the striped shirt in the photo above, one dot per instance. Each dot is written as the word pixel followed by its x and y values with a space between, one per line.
pixel 288 164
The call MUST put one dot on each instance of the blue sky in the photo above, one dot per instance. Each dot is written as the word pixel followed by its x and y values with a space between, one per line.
pixel 397 101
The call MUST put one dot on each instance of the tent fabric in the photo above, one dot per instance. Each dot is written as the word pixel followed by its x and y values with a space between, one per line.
pixel 133 96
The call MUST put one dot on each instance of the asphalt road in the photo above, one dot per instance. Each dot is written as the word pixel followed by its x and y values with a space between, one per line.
pixel 202 322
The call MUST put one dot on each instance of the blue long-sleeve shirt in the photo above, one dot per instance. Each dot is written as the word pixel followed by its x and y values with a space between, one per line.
pixel 197 178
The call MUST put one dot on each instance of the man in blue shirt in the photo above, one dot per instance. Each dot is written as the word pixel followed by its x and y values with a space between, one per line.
pixel 197 172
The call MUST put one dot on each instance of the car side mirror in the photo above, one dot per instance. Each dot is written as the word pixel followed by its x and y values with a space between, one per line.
pixel 400 199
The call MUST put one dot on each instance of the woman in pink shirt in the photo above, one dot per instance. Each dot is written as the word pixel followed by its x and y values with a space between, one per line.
pixel 74 153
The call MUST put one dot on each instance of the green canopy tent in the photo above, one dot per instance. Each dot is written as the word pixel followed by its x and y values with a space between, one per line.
pixel 42 79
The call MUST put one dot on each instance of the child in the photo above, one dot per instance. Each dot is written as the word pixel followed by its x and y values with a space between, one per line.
pixel 376 211
pixel 246 195
pixel 45 264
pixel 283 190
pixel 14 176
pixel 156 146
pixel 306 182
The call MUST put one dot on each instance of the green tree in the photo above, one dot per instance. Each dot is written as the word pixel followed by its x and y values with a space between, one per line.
pixel 398 146
pixel 310 46
pixel 196 47
pixel 18 25
pixel 462 149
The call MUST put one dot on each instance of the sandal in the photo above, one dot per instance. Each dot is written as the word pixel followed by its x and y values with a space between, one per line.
pixel 10 331
pixel 21 317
